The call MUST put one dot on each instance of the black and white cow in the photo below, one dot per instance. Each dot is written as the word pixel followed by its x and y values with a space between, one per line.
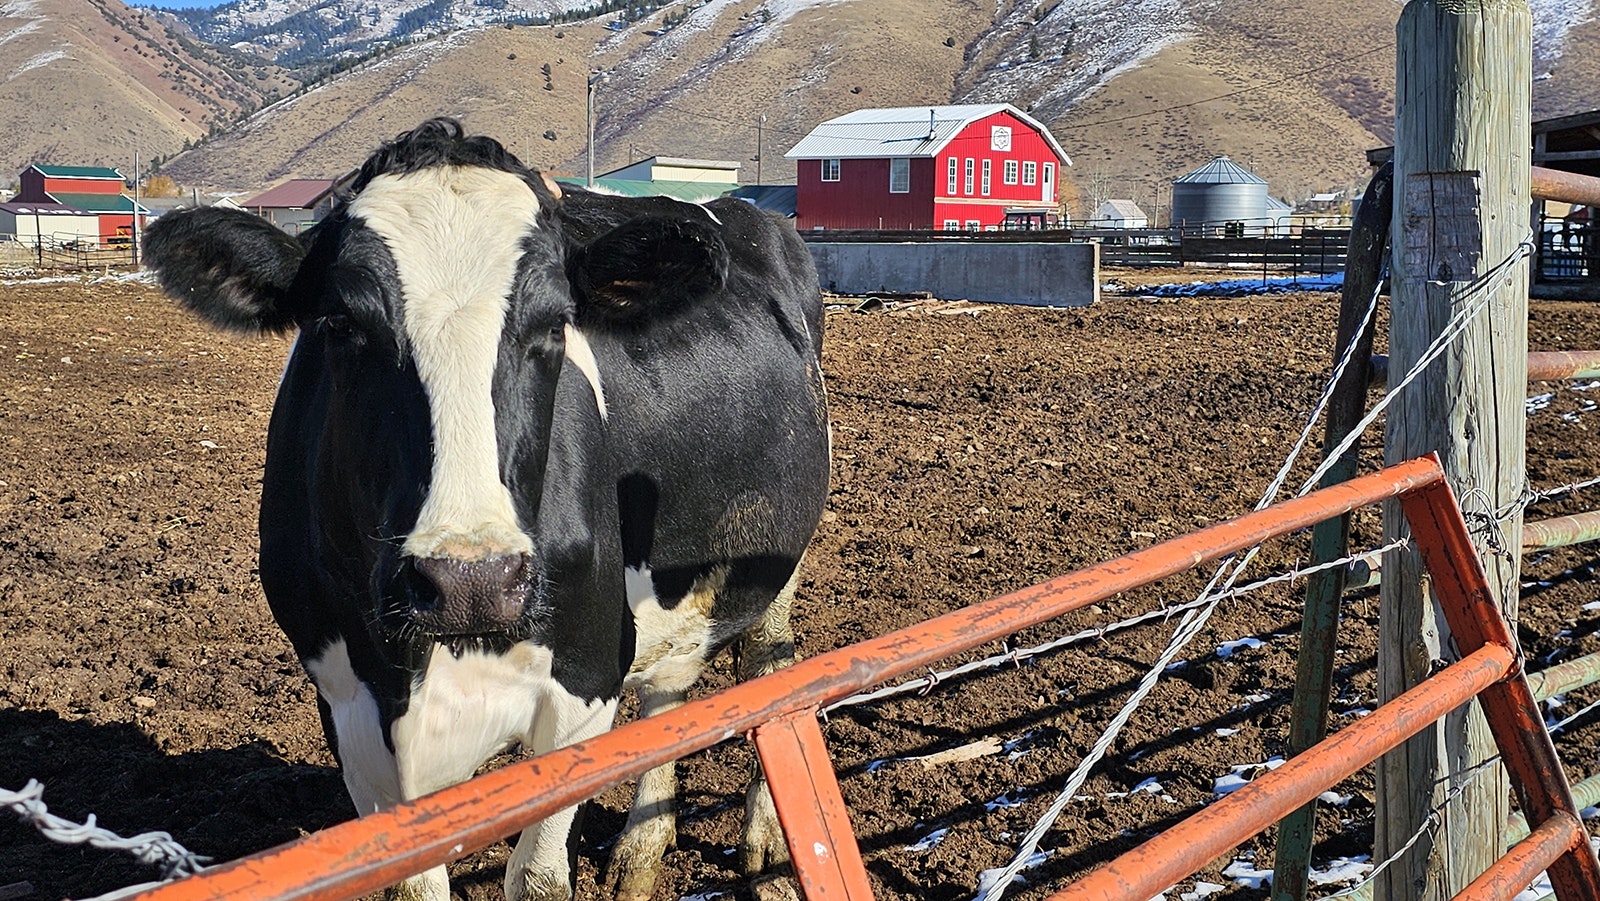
pixel 529 448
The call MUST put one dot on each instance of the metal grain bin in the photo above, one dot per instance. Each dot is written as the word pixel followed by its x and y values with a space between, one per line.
pixel 1217 194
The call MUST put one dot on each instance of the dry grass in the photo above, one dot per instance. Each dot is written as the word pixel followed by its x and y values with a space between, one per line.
pixel 1295 90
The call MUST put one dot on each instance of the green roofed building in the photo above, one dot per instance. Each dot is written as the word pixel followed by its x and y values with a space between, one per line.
pixel 81 202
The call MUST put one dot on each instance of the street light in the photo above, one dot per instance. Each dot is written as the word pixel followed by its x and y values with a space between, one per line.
pixel 594 79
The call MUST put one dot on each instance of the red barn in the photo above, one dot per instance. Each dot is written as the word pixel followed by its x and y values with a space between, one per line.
pixel 918 167
pixel 90 189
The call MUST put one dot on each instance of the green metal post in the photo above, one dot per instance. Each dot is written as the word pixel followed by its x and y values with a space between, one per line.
pixel 1369 239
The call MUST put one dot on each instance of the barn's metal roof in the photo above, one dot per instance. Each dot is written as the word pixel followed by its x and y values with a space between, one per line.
pixel 1221 171
pixel 99 203
pixel 689 191
pixel 22 207
pixel 79 172
pixel 294 194
pixel 904 131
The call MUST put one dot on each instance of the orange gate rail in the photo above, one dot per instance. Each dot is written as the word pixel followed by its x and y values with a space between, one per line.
pixel 779 713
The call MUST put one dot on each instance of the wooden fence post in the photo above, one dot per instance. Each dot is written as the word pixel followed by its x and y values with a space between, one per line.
pixel 1461 208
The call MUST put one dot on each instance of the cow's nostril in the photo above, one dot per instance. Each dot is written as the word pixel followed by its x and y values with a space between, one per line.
pixel 473 595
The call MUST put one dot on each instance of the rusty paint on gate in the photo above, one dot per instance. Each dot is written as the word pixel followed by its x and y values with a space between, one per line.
pixel 1512 874
pixel 364 855
pixel 1159 863
pixel 816 824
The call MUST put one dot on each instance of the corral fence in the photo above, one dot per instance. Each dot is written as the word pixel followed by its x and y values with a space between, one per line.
pixel 1297 249
pixel 1364 278
pixel 64 252
pixel 779 713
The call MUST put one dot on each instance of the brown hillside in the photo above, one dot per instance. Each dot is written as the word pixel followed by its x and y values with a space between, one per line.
pixel 1296 90
pixel 92 82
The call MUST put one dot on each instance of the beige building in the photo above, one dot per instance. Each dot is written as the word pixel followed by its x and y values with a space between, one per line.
pixel 670 168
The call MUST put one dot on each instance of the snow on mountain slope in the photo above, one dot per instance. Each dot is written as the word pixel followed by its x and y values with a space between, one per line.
pixel 1071 50
pixel 1553 22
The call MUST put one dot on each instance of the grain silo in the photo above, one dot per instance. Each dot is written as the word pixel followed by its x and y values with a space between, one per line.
pixel 1217 195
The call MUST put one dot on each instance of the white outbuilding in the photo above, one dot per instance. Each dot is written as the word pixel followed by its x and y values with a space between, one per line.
pixel 1120 213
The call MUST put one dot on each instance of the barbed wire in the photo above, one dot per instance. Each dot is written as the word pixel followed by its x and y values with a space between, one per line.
pixel 1194 620
pixel 155 849
pixel 1531 496
pixel 924 684
pixel 1482 287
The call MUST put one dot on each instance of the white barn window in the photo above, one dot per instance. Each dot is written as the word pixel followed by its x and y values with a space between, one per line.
pixel 987 168
pixel 950 177
pixel 900 176
pixel 830 170
pixel 968 179
pixel 1011 172
pixel 1030 173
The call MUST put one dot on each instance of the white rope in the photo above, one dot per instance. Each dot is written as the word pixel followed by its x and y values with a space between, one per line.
pixel 1451 331
pixel 156 849
pixel 1364 888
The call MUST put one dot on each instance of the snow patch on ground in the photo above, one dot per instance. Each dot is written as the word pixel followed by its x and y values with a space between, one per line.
pixel 39 60
pixel 1240 775
pixel 987 878
pixel 20 31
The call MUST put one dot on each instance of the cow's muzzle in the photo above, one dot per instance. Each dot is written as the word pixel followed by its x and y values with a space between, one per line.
pixel 472 597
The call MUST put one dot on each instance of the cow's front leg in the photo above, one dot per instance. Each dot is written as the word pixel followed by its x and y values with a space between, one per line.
pixel 767 647
pixel 541 865
pixel 652 821
pixel 370 771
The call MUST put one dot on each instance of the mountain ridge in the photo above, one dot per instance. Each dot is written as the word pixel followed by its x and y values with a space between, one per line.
pixel 1138 91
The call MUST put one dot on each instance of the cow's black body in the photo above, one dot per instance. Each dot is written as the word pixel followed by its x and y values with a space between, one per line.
pixel 658 427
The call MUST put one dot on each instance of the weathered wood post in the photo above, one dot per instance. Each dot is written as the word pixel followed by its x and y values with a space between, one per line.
pixel 1461 208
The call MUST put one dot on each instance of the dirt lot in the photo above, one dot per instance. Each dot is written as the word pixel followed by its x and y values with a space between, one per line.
pixel 976 450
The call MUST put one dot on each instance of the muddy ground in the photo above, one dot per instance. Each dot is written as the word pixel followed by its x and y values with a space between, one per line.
pixel 976 450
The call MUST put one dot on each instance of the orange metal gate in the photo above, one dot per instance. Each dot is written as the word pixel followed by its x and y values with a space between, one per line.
pixel 779 713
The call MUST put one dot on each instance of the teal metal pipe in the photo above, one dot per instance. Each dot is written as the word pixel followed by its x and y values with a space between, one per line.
pixel 1560 531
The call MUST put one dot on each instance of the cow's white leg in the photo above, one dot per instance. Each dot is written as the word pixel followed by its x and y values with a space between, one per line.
pixel 371 773
pixel 540 868
pixel 652 821
pixel 766 648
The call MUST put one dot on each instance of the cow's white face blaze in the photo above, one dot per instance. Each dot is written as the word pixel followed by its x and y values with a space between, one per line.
pixel 456 235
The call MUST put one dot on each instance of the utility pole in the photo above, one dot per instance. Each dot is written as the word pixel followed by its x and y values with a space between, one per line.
pixel 594 79
pixel 135 229
pixel 1461 200
pixel 760 120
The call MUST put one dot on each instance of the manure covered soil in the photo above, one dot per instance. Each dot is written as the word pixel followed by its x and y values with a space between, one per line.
pixel 977 450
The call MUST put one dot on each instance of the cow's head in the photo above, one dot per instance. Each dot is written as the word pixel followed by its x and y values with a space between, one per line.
pixel 438 307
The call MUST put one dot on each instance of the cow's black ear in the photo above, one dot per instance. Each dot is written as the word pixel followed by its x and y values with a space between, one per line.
pixel 230 267
pixel 650 264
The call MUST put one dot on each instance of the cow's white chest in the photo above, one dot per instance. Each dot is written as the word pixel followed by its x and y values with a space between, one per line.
pixel 465 709
pixel 672 645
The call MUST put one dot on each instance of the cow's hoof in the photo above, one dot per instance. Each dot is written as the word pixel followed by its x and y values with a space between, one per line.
pixel 433 885
pixel 631 878
pixel 532 886
pixel 763 846
pixel 774 888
